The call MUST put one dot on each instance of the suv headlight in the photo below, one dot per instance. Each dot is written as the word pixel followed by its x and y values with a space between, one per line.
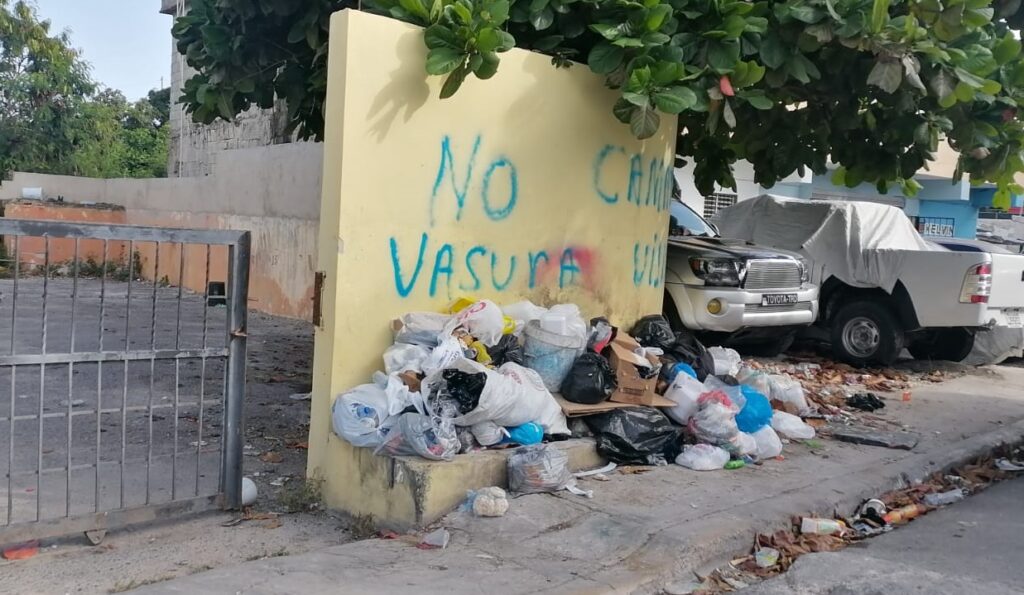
pixel 805 273
pixel 719 272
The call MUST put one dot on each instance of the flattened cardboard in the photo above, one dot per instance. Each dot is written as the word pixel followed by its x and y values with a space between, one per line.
pixel 571 409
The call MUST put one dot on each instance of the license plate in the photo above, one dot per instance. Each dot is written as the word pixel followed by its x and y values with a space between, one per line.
pixel 778 299
pixel 1013 319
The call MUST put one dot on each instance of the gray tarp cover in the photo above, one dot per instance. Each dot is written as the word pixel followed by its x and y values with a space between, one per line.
pixel 863 244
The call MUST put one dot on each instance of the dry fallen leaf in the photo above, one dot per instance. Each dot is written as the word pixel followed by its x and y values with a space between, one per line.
pixel 299 445
pixel 271 457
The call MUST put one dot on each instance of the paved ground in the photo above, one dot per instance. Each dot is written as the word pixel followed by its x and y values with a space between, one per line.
pixel 280 353
pixel 975 546
pixel 642 532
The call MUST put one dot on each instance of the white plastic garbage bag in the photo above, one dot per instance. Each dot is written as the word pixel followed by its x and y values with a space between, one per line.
pixel 769 445
pixel 565 320
pixel 684 392
pixel 746 444
pixel 702 457
pixel 402 357
pixel 539 468
pixel 420 328
pixel 512 396
pixel 755 379
pixel 715 421
pixel 726 361
pixel 412 434
pixel 358 415
pixel 444 355
pixel 791 426
pixel 488 433
pixel 787 390
pixel 483 320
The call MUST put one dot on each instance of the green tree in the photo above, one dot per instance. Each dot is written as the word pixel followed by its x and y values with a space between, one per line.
pixel 871 85
pixel 43 84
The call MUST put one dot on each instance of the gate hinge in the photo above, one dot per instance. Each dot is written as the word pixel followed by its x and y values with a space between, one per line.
pixel 318 296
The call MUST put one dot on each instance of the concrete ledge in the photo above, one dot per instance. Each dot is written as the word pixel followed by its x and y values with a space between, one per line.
pixel 419 492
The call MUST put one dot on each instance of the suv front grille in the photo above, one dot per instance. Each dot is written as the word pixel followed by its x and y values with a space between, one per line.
pixel 772 274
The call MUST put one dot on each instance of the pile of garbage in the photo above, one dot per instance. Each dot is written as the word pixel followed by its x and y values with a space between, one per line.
pixel 480 376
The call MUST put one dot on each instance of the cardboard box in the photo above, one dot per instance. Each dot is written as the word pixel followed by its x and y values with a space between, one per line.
pixel 632 388
pixel 570 409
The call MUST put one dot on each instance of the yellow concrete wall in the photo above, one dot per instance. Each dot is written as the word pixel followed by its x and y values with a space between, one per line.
pixel 522 186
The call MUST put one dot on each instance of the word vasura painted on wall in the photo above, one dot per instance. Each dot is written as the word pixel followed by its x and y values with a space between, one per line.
pixel 432 264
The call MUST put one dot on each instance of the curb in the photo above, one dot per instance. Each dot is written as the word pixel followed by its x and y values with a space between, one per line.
pixel 724 545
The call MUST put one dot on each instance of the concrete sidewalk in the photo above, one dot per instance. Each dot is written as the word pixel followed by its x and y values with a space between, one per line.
pixel 640 532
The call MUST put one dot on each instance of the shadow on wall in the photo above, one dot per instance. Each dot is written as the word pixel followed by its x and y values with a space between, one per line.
pixel 407 90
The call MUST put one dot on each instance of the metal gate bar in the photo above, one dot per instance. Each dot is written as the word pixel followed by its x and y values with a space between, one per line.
pixel 226 360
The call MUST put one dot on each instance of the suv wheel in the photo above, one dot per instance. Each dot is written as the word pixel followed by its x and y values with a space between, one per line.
pixel 865 333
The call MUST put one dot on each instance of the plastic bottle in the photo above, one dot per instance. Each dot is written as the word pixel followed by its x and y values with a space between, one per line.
pixel 945 498
pixel 904 514
pixel 821 526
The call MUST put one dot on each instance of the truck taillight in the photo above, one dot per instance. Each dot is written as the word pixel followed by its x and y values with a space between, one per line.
pixel 977 284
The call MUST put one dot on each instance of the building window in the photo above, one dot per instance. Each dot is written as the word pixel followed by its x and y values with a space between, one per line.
pixel 716 202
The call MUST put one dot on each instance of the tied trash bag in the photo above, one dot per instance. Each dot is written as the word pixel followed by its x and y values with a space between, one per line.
pixel 703 457
pixel 404 357
pixel 483 320
pixel 507 350
pixel 715 421
pixel 358 415
pixel 755 379
pixel 634 435
pixel 538 468
pixel 447 352
pixel 791 426
pixel 769 445
pixel 756 412
pixel 420 328
pixel 684 392
pixel 418 434
pixel 488 433
pixel 746 444
pixel 524 435
pixel 688 350
pixel 725 361
pixel 591 380
pixel 788 390
pixel 653 331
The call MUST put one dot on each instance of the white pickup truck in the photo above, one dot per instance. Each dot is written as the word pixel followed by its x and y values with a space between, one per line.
pixel 883 286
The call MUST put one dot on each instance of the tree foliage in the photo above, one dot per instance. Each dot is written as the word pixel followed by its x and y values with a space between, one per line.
pixel 871 85
pixel 55 119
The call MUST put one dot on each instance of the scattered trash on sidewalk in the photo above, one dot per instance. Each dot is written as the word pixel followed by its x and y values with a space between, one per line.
pixel 809 525
pixel 869 437
pixel 945 498
pixel 435 540
pixel 249 492
pixel 22 551
pixel 1008 465
pixel 865 402
pixel 487 502
pixel 766 557
pixel 301 396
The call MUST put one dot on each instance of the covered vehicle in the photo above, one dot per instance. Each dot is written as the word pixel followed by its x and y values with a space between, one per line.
pixel 883 286
pixel 738 292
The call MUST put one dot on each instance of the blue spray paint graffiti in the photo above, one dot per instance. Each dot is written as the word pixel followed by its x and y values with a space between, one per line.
pixel 461 191
pixel 644 187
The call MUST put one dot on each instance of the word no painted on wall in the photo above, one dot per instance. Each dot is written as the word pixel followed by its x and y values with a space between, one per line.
pixel 469 180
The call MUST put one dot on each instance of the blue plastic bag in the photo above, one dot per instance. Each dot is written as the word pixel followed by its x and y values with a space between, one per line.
pixel 756 414
pixel 680 367
pixel 526 434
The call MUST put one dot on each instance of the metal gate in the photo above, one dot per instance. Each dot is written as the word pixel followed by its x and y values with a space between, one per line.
pixel 122 349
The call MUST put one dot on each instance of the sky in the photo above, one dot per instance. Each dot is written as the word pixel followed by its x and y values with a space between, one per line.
pixel 127 42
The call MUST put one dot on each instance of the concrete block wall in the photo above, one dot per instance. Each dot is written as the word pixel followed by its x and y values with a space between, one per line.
pixel 274 192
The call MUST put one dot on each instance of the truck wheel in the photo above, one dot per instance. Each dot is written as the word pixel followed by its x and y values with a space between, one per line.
pixel 950 344
pixel 865 333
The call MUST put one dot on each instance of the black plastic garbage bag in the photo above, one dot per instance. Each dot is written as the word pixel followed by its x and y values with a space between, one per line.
pixel 635 436
pixel 506 350
pixel 653 331
pixel 687 349
pixel 464 388
pixel 590 380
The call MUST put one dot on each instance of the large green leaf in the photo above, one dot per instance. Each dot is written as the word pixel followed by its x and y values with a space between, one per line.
pixel 723 55
pixel 879 15
pixel 604 58
pixel 454 81
pixel 488 65
pixel 488 39
pixel 886 75
pixel 773 52
pixel 1006 49
pixel 657 16
pixel 443 60
pixel 675 100
pixel 644 122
